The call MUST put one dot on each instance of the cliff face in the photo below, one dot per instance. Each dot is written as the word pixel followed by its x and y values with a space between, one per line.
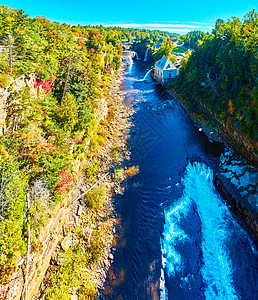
pixel 14 86
pixel 61 228
pixel 241 207
pixel 235 178
pixel 230 134
pixel 40 257
pixel 238 182
pixel 242 144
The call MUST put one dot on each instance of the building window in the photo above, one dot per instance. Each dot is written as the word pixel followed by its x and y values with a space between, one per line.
pixel 169 75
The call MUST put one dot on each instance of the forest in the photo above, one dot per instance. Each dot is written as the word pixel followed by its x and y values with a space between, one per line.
pixel 191 39
pixel 219 79
pixel 46 132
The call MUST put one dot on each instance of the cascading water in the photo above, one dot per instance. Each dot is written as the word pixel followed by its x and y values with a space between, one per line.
pixel 127 60
pixel 130 60
pixel 215 218
pixel 136 55
pixel 146 76
pixel 146 54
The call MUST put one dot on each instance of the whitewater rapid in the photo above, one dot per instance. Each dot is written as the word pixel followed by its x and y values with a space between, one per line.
pixel 215 220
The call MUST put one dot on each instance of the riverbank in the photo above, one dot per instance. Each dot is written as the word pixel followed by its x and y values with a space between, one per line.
pixel 240 197
pixel 210 131
pixel 92 229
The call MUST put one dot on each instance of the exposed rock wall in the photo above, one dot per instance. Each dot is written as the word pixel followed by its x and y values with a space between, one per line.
pixel 238 205
pixel 41 256
pixel 5 92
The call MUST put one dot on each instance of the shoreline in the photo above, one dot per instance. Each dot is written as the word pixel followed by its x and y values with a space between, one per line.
pixel 211 133
pixel 237 204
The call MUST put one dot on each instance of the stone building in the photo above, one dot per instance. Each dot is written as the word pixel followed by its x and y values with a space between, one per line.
pixel 164 71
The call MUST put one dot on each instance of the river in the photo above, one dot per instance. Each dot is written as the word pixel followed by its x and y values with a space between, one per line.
pixel 177 238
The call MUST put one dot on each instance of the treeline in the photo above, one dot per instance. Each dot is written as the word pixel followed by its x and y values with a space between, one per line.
pixel 222 75
pixel 192 38
pixel 145 36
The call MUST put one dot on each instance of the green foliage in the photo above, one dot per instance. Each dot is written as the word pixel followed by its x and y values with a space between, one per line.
pixel 192 38
pixel 96 248
pixel 119 173
pixel 165 50
pixel 116 63
pixel 12 209
pixel 183 63
pixel 179 49
pixel 115 150
pixel 71 275
pixel 96 197
pixel 92 170
pixel 222 72
pixel 67 113
pixel 5 80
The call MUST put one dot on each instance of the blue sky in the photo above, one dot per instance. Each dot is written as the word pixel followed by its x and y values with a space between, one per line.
pixel 171 15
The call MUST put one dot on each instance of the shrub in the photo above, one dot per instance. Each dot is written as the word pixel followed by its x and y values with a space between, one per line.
pixel 5 80
pixel 96 197
pixel 96 247
pixel 119 173
pixel 115 150
pixel 92 170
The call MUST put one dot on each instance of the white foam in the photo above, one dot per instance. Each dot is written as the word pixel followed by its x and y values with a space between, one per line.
pixel 217 271
pixel 214 216
pixel 173 234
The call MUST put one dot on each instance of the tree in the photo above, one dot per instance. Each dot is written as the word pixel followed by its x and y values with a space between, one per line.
pixel 165 50
pixel 68 114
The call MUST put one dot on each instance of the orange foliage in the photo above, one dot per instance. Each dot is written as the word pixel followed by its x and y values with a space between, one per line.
pixel 230 107
pixel 134 170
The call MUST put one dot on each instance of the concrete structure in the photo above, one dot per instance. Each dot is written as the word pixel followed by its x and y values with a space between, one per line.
pixel 164 71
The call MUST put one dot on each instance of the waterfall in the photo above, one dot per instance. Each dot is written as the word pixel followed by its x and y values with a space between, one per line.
pixel 136 55
pixel 147 76
pixel 215 218
pixel 127 60
pixel 130 60
pixel 146 54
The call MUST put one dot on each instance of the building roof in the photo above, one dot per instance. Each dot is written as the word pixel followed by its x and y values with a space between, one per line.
pixel 165 64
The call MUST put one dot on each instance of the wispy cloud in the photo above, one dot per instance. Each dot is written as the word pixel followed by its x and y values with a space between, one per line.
pixel 174 30
pixel 210 27
pixel 201 23
pixel 153 25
